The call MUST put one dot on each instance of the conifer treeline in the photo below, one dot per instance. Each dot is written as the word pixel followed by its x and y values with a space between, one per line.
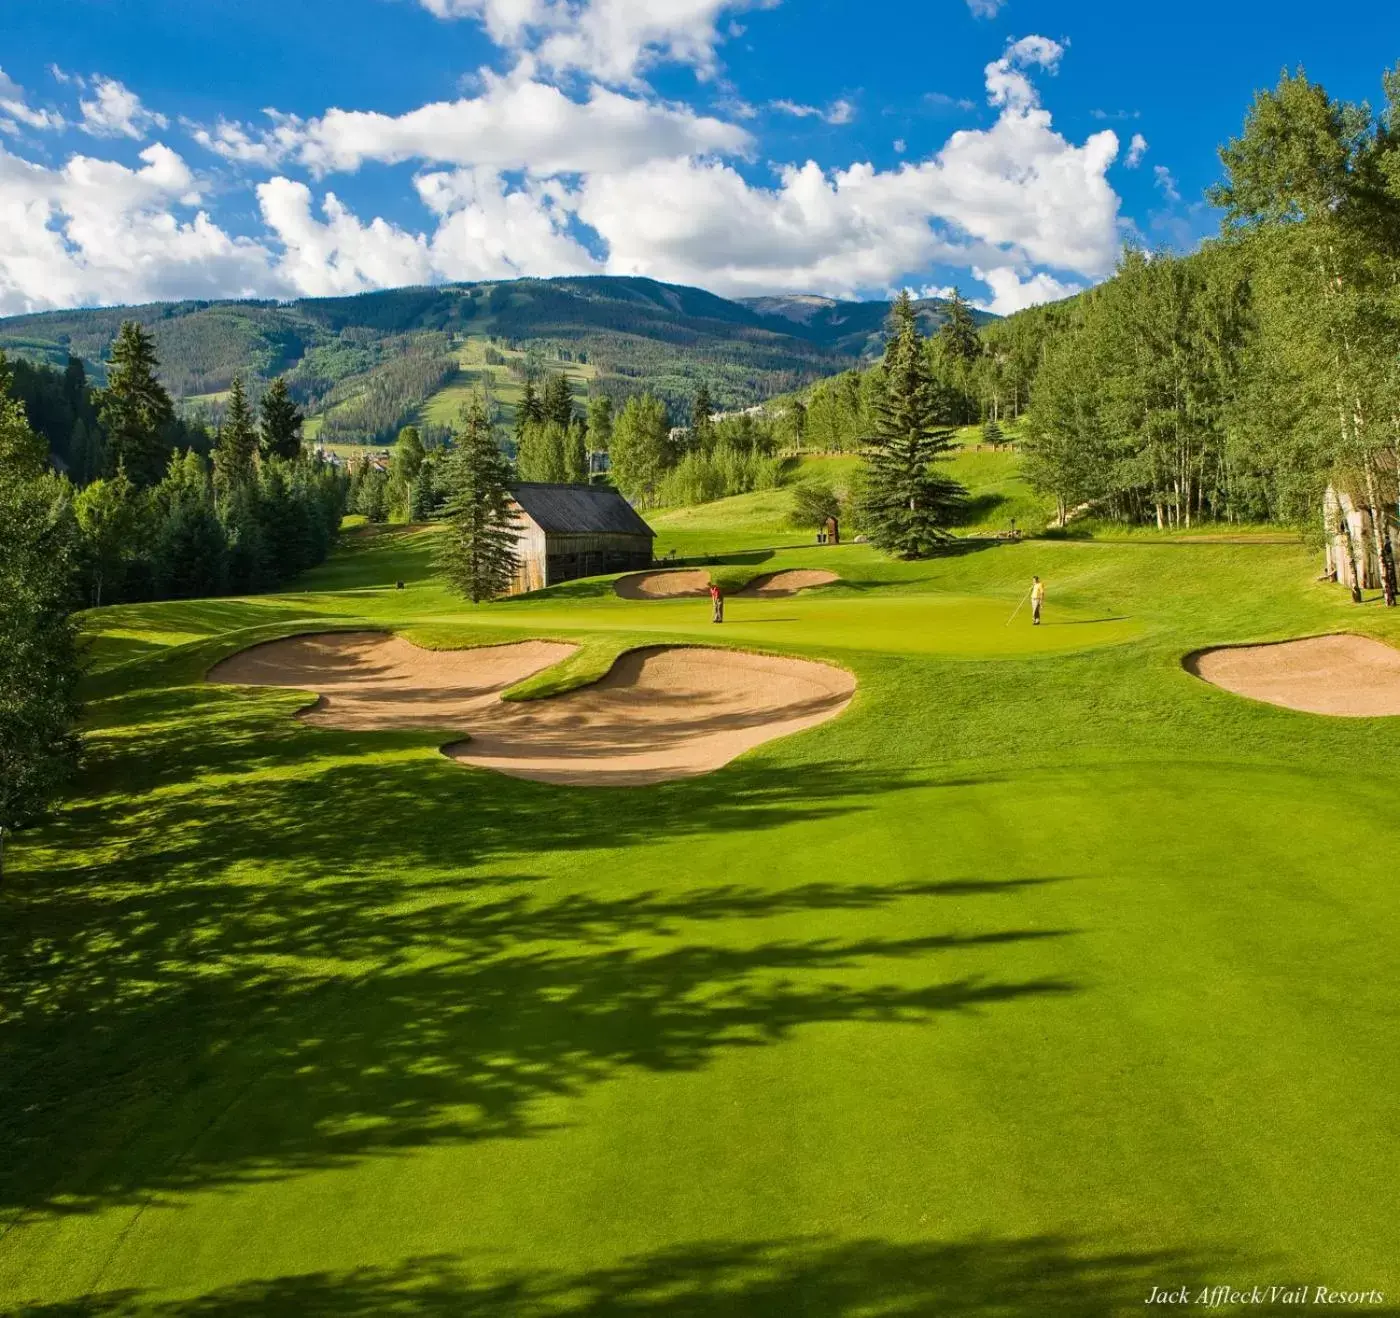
pixel 157 518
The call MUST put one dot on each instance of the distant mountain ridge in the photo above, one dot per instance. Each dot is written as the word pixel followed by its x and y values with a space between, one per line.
pixel 853 328
pixel 404 345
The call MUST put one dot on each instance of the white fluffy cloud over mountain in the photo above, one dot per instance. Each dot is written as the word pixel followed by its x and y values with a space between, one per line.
pixel 95 231
pixel 524 177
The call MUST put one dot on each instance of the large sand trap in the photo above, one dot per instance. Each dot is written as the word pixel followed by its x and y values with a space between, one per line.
pixel 663 585
pixel 661 713
pixel 1350 676
pixel 778 584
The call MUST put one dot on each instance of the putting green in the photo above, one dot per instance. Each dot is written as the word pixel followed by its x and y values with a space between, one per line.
pixel 1045 975
pixel 883 623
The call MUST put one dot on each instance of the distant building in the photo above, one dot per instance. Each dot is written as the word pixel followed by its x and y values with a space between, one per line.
pixel 572 531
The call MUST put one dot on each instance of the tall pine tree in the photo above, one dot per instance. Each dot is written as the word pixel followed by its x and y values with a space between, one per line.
pixel 281 422
pixel 528 411
pixel 558 404
pixel 907 507
pixel 702 425
pixel 136 412
pixel 235 455
pixel 478 552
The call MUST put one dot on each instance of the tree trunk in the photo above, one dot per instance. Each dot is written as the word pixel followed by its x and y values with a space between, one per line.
pixel 1379 533
pixel 1357 572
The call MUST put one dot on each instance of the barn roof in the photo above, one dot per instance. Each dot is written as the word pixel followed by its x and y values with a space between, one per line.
pixel 579 509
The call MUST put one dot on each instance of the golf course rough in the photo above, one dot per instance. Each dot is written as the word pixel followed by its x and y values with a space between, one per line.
pixel 1043 975
pixel 659 713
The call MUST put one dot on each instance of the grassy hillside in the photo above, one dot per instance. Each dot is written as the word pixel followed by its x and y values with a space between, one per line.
pixel 997 494
pixel 1024 986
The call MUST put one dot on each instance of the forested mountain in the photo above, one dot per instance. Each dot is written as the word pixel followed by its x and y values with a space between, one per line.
pixel 851 328
pixel 367 364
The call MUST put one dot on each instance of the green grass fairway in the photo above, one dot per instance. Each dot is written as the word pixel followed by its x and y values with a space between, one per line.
pixel 1044 975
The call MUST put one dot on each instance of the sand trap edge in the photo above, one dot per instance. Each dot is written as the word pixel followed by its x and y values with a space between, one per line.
pixel 1191 663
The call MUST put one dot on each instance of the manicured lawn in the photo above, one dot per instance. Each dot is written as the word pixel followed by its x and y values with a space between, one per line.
pixel 1044 975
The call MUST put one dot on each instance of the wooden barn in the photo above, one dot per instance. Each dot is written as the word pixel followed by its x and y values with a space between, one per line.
pixel 571 531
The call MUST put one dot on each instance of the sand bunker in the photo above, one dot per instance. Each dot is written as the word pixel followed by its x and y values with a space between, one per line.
pixel 371 681
pixel 663 585
pixel 777 584
pixel 660 713
pixel 688 584
pixel 1349 676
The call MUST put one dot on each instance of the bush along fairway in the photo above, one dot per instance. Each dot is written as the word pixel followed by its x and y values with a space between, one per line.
pixel 1045 974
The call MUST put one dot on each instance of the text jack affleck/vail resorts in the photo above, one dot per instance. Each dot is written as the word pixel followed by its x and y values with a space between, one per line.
pixel 1217 1297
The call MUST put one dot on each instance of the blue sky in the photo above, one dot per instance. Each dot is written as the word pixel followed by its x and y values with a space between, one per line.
pixel 1004 146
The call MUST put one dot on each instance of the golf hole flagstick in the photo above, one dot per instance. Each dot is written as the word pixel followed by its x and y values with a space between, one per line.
pixel 1018 608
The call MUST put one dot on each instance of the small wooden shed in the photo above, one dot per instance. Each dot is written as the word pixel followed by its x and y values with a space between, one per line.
pixel 572 531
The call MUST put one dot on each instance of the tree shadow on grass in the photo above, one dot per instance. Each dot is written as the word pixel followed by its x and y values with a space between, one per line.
pixel 784 1278
pixel 200 1034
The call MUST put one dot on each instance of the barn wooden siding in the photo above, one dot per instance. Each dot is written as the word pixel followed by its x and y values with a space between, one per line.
pixel 572 531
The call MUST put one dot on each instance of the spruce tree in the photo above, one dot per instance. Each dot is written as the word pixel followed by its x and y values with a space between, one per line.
pixel 558 403
pixel 281 422
pixel 235 454
pixel 906 506
pixel 136 411
pixel 702 426
pixel 992 433
pixel 478 552
pixel 422 499
pixel 528 411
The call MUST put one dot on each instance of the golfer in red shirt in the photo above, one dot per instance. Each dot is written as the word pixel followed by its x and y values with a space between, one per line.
pixel 717 599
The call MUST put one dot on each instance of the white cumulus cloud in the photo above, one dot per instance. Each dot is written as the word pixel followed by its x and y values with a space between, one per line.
pixel 238 144
pixel 1014 290
pixel 17 113
pixel 519 123
pixel 611 40
pixel 116 111
pixel 838 112
pixel 1014 196
pixel 97 232
pixel 1137 148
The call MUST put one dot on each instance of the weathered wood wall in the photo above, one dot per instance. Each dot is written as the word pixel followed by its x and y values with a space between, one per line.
pixel 546 559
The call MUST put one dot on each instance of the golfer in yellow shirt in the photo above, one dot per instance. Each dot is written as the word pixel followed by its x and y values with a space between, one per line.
pixel 1037 599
